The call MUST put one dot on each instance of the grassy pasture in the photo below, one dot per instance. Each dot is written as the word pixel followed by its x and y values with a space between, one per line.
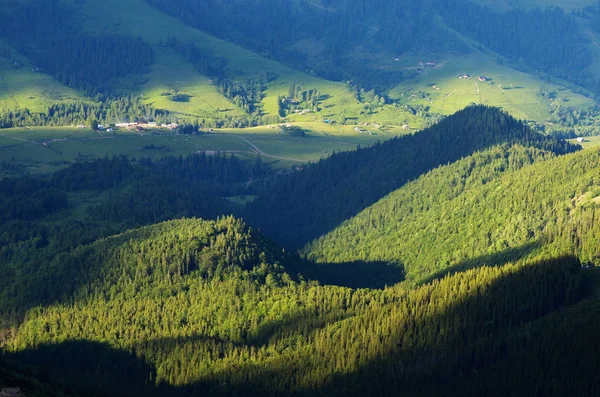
pixel 514 91
pixel 42 150
pixel 22 87
pixel 590 142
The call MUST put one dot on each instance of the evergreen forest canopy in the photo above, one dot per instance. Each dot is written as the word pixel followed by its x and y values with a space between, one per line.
pixel 131 272
pixel 459 260
pixel 337 188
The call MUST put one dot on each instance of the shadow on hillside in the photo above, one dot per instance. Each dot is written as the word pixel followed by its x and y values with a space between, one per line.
pixel 496 259
pixel 467 346
pixel 357 274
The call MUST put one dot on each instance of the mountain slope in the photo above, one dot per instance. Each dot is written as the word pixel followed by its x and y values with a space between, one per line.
pixel 487 208
pixel 310 203
pixel 198 84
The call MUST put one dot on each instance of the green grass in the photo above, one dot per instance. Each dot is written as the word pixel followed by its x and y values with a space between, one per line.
pixel 22 87
pixel 42 150
pixel 590 142
pixel 514 91
pixel 172 74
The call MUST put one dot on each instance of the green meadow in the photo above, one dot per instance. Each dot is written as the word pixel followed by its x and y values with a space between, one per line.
pixel 42 150
pixel 21 87
pixel 444 92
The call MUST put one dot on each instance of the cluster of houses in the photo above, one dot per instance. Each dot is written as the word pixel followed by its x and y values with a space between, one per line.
pixel 139 127
pixel 466 76
pixel 362 131
pixel 302 112
pixel 146 126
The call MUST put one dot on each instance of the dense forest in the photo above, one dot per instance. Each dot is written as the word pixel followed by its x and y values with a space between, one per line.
pixel 108 111
pixel 219 315
pixel 552 206
pixel 460 260
pixel 480 269
pixel 325 194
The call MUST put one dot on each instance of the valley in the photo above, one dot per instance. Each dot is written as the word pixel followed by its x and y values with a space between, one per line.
pixel 299 198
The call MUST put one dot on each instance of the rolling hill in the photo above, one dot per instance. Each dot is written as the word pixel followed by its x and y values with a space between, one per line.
pixel 405 93
pixel 486 208
pixel 495 247
pixel 325 194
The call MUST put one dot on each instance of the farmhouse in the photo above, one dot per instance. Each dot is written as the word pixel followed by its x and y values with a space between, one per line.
pixel 464 76
pixel 483 78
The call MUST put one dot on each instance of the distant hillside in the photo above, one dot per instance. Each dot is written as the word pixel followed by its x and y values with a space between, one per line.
pixel 312 202
pixel 340 61
pixel 488 208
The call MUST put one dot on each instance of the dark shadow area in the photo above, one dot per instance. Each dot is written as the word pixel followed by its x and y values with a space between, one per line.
pixel 511 339
pixel 86 368
pixel 309 204
pixel 496 259
pixel 356 274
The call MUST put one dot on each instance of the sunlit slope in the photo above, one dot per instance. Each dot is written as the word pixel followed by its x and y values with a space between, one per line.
pixel 137 18
pixel 21 86
pixel 442 89
pixel 485 209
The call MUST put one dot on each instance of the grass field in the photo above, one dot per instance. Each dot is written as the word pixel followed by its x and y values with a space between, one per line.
pixel 590 142
pixel 507 88
pixel 22 87
pixel 42 150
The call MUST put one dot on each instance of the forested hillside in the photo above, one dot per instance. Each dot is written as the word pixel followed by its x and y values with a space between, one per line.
pixel 495 256
pixel 192 307
pixel 487 208
pixel 546 39
pixel 325 194
pixel 235 245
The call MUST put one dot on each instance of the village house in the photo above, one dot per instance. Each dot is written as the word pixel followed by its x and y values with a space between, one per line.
pixel 464 76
